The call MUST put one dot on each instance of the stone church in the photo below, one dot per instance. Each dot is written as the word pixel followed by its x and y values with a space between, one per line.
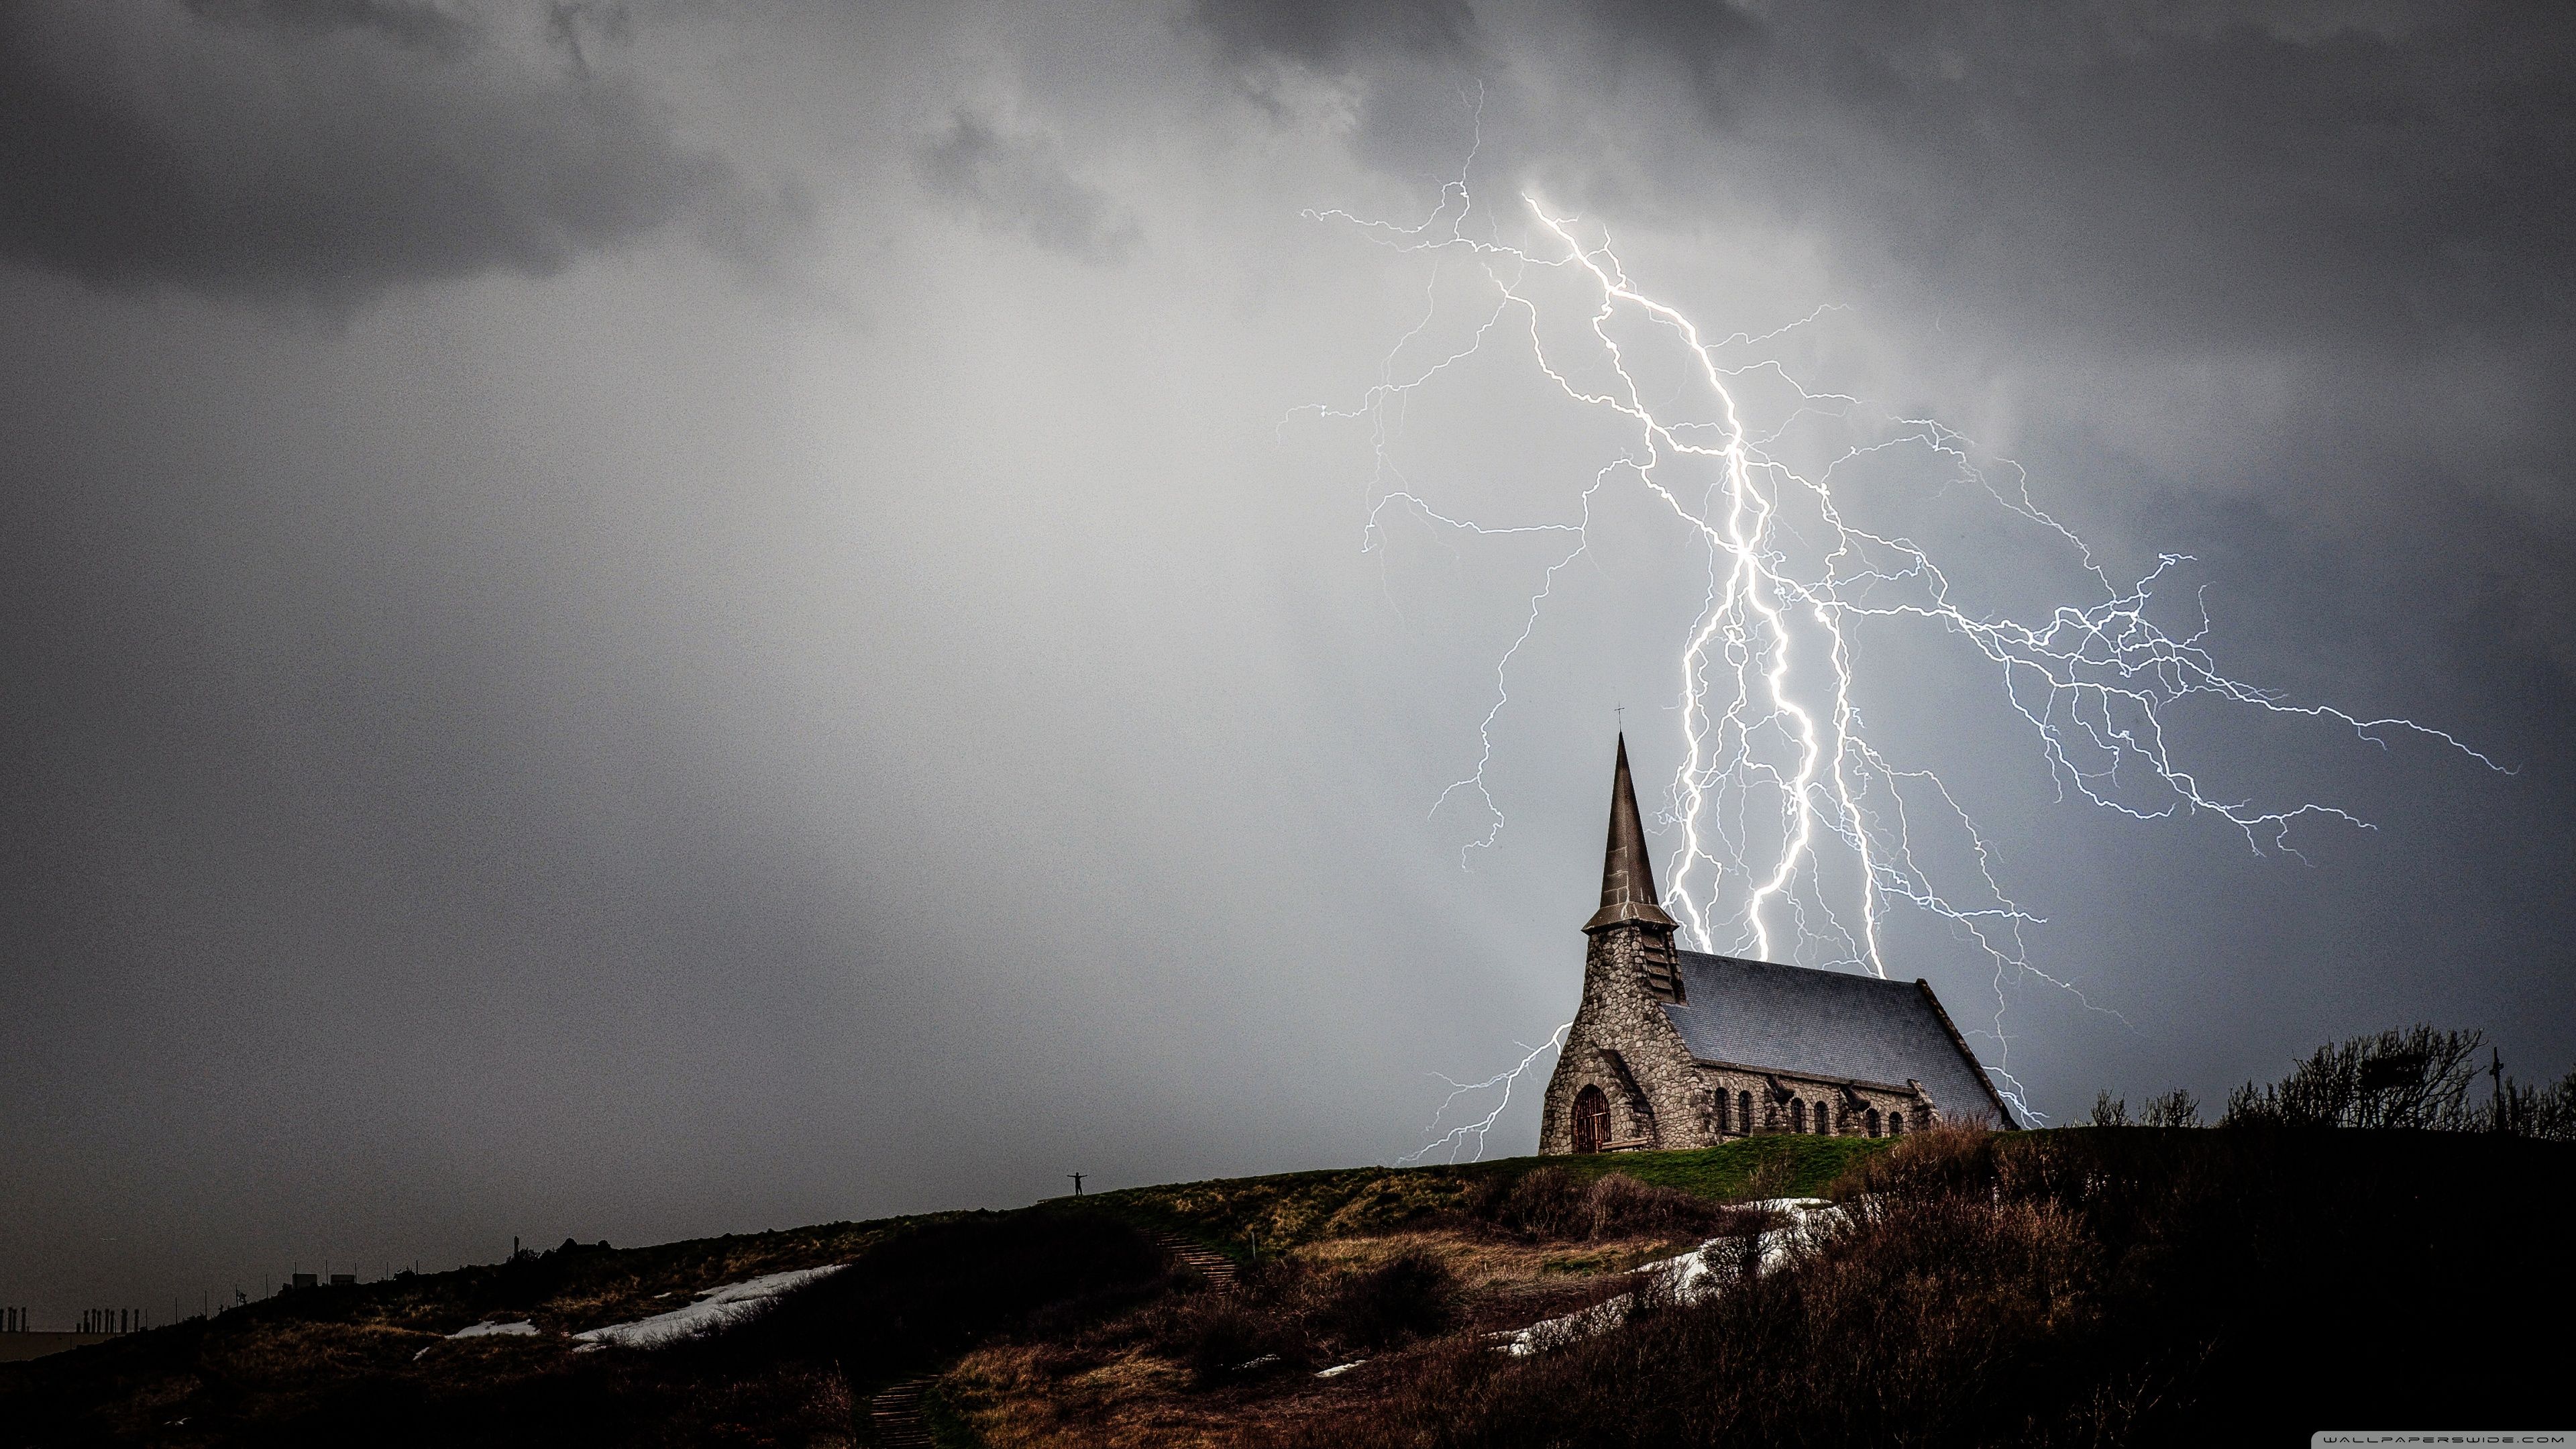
pixel 1673 1048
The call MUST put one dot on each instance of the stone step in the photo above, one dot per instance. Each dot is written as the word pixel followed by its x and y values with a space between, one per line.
pixel 1216 1267
pixel 896 1416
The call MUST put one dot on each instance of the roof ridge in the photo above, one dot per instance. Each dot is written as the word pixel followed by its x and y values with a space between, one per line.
pixel 1791 966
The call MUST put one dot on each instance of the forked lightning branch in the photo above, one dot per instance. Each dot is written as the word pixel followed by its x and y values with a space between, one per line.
pixel 1794 835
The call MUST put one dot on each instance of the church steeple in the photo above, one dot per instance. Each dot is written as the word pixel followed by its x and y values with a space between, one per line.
pixel 1627 874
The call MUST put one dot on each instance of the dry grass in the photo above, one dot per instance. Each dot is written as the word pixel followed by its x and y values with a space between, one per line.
pixel 2105 1287
pixel 1131 1381
pixel 2130 1286
pixel 343 1365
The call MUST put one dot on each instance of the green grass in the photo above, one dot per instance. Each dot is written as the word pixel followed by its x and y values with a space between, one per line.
pixel 1808 1164
pixel 1288 1209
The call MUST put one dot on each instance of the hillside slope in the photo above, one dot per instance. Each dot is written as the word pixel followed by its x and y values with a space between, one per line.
pixel 2102 1285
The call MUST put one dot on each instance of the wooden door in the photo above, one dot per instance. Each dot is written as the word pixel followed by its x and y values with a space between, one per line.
pixel 1591 1120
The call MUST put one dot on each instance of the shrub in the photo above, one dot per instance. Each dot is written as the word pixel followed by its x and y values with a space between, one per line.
pixel 2177 1108
pixel 1622 1207
pixel 1546 1203
pixel 2057 1289
pixel 2548 1113
pixel 2553 1112
pixel 1941 1158
pixel 1220 1339
pixel 1552 1204
pixel 1288 1315
pixel 1411 1295
pixel 2418 1078
pixel 1906 1332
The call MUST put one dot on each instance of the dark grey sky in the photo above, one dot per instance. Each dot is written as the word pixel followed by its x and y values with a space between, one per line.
pixel 644 620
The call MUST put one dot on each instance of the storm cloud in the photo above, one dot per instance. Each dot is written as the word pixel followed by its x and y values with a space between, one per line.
pixel 2192 174
pixel 1019 184
pixel 331 149
pixel 2326 224
pixel 1339 31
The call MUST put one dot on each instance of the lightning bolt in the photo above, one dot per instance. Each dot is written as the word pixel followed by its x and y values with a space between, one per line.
pixel 1795 835
pixel 1460 1138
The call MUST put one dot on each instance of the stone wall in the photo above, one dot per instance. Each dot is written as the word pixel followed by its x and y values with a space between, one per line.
pixel 1661 1097
pixel 1847 1103
pixel 1623 1043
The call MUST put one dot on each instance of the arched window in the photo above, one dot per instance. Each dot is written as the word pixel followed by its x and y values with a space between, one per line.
pixel 1797 1115
pixel 1591 1120
pixel 1895 1124
pixel 1744 1111
pixel 1721 1114
pixel 1870 1118
pixel 1822 1127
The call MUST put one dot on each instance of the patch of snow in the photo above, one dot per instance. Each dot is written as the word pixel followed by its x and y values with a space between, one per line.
pixel 1690 1278
pixel 487 1330
pixel 1339 1369
pixel 1248 1365
pixel 1796 1206
pixel 715 1308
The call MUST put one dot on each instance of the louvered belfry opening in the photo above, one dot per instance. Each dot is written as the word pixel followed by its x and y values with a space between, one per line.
pixel 1660 964
pixel 1629 900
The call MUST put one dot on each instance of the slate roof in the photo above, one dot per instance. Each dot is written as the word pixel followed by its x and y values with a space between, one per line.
pixel 1828 1024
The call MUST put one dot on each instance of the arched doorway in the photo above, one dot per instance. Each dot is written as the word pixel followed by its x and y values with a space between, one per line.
pixel 1591 1120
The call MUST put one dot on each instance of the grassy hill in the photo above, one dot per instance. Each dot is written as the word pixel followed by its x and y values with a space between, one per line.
pixel 2114 1285
pixel 1292 1209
